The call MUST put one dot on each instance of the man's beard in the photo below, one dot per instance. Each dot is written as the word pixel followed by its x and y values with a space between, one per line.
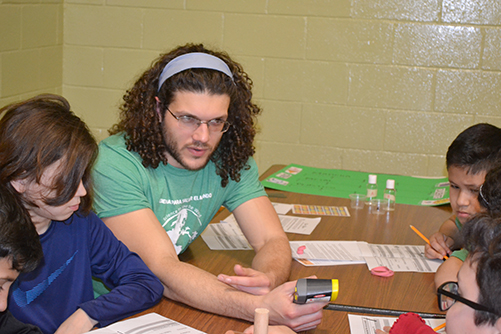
pixel 172 148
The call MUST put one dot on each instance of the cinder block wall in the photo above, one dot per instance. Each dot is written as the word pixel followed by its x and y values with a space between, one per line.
pixel 31 48
pixel 371 85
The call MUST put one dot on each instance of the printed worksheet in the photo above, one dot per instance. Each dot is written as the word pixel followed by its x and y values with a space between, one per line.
pixel 327 250
pixel 398 258
pixel 151 323
pixel 225 235
pixel 361 324
pixel 320 263
pixel 292 224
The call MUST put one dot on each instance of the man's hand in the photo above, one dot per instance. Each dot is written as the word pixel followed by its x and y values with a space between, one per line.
pixel 386 330
pixel 78 322
pixel 284 311
pixel 439 246
pixel 248 280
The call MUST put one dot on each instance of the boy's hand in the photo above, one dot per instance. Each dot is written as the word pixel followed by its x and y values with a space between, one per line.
pixel 439 246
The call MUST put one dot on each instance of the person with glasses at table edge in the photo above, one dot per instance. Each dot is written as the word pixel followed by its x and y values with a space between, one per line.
pixel 183 148
pixel 473 303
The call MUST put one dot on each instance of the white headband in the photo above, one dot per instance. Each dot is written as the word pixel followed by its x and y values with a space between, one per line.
pixel 193 60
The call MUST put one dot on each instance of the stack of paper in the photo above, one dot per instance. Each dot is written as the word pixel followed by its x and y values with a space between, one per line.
pixel 395 257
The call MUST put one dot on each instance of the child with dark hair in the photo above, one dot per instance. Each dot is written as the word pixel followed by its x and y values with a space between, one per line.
pixel 46 154
pixel 469 158
pixel 20 251
pixel 473 301
pixel 489 198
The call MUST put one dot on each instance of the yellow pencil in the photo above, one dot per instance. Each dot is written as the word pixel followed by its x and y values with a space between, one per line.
pixel 423 237
pixel 436 329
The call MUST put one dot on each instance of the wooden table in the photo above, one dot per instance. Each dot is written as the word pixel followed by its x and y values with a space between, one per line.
pixel 403 291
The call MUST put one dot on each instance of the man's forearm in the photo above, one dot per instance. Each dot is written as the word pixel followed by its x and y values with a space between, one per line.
pixel 274 259
pixel 202 290
pixel 183 283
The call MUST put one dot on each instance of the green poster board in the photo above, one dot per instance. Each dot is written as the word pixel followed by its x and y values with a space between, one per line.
pixel 341 183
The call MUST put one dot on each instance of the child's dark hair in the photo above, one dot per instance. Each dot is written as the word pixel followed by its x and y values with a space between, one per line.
pixel 477 149
pixel 482 238
pixel 19 240
pixel 490 192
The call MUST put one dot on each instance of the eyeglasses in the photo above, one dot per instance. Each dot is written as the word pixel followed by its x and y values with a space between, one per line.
pixel 192 123
pixel 448 295
pixel 482 196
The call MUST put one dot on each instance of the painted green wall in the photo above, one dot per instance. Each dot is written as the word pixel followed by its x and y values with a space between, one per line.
pixel 31 48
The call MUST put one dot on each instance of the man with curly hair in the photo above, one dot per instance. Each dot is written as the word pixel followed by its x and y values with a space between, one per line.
pixel 182 148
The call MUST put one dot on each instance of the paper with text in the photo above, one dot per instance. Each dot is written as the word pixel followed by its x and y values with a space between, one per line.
pixel 292 224
pixel 151 323
pixel 327 250
pixel 320 263
pixel 398 258
pixel 226 235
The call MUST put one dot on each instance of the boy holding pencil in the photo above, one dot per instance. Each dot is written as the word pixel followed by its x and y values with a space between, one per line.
pixel 471 155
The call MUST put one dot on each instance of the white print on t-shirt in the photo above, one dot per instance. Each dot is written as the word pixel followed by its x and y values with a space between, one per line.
pixel 175 225
pixel 185 200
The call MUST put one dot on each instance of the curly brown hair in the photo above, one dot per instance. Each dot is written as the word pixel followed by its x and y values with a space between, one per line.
pixel 143 130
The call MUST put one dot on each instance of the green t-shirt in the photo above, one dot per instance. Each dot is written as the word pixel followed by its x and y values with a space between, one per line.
pixel 462 253
pixel 183 201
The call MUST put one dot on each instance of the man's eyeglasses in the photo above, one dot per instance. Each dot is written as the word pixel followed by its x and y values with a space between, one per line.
pixel 192 123
pixel 448 295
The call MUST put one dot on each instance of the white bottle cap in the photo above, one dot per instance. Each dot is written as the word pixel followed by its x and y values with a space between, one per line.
pixel 372 179
pixel 390 184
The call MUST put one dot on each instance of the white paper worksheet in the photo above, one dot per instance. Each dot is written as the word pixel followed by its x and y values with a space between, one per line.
pixel 327 250
pixel 398 258
pixel 151 323
pixel 227 235
pixel 299 225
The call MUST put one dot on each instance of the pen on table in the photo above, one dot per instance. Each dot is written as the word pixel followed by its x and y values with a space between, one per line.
pixel 424 238
pixel 436 329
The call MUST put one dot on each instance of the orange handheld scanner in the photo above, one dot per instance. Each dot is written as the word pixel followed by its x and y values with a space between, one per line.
pixel 310 290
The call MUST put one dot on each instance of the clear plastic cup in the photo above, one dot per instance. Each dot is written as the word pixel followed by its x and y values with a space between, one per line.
pixel 378 205
pixel 357 201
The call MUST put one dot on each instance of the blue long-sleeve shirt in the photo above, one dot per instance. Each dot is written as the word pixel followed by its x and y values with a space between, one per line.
pixel 74 251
